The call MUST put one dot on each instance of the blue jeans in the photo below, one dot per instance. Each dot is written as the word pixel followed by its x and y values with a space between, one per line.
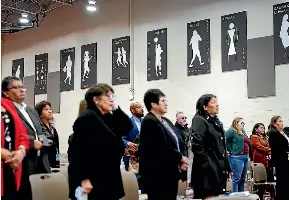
pixel 239 166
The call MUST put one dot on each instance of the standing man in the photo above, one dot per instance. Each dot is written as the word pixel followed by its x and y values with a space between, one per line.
pixel 36 160
pixel 184 133
pixel 131 141
pixel 159 150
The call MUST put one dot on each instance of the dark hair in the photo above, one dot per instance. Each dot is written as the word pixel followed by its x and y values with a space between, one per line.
pixel 6 83
pixel 203 101
pixel 39 106
pixel 274 119
pixel 256 126
pixel 152 96
pixel 96 90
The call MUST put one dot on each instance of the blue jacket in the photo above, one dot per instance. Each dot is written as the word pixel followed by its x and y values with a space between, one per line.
pixel 132 134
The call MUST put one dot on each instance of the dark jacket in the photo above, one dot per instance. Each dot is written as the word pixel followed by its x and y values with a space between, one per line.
pixel 210 164
pixel 53 150
pixel 184 133
pixel 279 158
pixel 159 158
pixel 69 147
pixel 97 148
pixel 32 162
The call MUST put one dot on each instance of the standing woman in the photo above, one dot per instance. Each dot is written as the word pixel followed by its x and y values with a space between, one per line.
pixel 97 145
pixel 45 113
pixel 210 167
pixel 279 143
pixel 14 143
pixel 238 146
pixel 262 154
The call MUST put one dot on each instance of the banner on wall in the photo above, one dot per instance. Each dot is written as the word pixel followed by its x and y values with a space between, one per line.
pixel 234 41
pixel 67 63
pixel 157 54
pixel 18 68
pixel 88 65
pixel 41 70
pixel 281 36
pixel 121 60
pixel 198 47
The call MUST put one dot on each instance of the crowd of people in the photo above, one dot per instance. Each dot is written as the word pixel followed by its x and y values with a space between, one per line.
pixel 159 152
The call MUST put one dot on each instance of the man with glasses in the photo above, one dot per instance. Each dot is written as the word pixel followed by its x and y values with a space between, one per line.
pixel 36 160
pixel 184 133
pixel 160 158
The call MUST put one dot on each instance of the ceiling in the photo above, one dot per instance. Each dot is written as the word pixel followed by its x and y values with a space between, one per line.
pixel 37 10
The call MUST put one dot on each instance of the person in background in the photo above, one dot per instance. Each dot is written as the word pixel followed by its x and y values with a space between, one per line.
pixel 279 143
pixel 262 154
pixel 98 135
pixel 159 150
pixel 130 142
pixel 45 113
pixel 238 146
pixel 36 160
pixel 184 134
pixel 14 144
pixel 82 107
pixel 210 165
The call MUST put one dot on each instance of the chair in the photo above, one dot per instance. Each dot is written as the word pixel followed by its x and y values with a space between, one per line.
pixel 182 190
pixel 260 176
pixel 52 186
pixel 130 185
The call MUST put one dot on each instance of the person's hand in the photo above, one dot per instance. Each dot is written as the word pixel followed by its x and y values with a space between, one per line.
pixel 184 167
pixel 132 146
pixel 6 154
pixel 185 160
pixel 86 186
pixel 37 145
pixel 17 157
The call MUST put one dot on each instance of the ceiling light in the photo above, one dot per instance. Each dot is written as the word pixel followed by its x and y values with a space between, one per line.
pixel 91 6
pixel 24 18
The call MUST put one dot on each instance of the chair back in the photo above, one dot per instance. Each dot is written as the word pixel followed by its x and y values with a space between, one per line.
pixel 53 186
pixel 182 190
pixel 130 185
pixel 259 172
pixel 251 197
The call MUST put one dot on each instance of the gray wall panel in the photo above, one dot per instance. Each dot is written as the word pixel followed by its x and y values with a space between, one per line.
pixel 30 96
pixel 261 69
pixel 53 90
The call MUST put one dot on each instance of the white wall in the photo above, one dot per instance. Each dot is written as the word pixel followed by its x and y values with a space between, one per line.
pixel 75 28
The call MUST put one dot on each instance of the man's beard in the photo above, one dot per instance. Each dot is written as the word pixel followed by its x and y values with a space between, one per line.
pixel 139 115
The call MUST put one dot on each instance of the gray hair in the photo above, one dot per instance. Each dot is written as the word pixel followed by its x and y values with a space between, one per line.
pixel 179 112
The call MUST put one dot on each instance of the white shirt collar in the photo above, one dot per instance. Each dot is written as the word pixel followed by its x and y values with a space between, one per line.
pixel 20 106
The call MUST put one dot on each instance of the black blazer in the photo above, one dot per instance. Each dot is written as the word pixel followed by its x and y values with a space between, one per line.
pixel 97 149
pixel 279 148
pixel 54 148
pixel 33 162
pixel 210 163
pixel 159 157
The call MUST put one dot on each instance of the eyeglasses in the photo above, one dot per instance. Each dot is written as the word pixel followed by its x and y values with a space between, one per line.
pixel 19 87
pixel 164 101
pixel 111 96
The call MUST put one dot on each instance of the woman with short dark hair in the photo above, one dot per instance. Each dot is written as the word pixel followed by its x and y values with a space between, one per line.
pixel 45 113
pixel 97 146
pixel 210 167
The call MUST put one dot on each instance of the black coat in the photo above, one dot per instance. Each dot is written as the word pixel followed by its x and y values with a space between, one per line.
pixel 52 150
pixel 210 164
pixel 159 158
pixel 96 153
pixel 184 133
pixel 279 158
